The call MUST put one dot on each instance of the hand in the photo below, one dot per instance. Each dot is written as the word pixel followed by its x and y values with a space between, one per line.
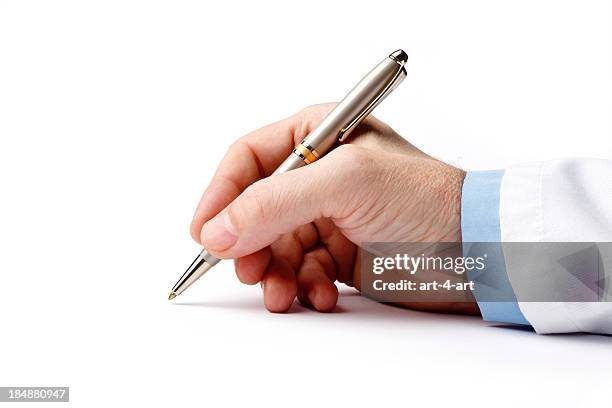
pixel 298 232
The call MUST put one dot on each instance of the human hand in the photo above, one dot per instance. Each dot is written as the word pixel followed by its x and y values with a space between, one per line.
pixel 298 232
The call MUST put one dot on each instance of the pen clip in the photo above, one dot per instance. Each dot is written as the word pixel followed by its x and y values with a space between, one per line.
pixel 399 76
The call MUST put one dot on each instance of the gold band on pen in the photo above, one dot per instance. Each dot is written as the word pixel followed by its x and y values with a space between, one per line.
pixel 306 152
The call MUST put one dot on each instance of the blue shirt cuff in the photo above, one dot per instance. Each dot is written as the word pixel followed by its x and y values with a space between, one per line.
pixel 480 223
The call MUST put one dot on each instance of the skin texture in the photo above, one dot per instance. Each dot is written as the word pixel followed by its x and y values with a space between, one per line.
pixel 297 233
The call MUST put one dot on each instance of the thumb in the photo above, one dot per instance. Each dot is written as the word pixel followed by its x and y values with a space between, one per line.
pixel 279 204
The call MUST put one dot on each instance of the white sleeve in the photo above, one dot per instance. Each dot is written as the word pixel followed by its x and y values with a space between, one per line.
pixel 559 201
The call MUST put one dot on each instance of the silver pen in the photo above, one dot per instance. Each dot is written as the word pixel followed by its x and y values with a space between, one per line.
pixel 333 129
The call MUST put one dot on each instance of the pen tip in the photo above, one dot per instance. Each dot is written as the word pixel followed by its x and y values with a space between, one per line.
pixel 171 296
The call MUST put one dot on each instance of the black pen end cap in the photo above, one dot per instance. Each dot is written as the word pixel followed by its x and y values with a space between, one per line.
pixel 400 56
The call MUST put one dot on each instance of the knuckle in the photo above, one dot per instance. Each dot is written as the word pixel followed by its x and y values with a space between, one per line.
pixel 308 109
pixel 302 122
pixel 237 144
pixel 237 148
pixel 314 113
pixel 314 108
pixel 351 156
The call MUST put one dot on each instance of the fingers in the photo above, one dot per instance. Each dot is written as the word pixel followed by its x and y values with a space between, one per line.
pixel 280 204
pixel 250 269
pixel 340 248
pixel 315 280
pixel 251 158
pixel 279 285
pixel 316 271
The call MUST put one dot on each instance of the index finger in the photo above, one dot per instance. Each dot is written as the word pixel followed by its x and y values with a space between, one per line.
pixel 251 158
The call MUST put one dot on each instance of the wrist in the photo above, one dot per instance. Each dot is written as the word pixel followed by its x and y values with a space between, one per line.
pixel 448 194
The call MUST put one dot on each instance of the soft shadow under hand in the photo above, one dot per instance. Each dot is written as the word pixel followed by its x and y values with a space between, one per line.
pixel 354 307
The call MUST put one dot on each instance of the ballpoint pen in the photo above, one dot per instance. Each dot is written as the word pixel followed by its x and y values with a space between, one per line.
pixel 333 129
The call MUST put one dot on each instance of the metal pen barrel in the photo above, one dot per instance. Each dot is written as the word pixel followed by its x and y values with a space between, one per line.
pixel 336 126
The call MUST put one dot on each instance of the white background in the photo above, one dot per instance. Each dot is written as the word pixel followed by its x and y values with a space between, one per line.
pixel 113 115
